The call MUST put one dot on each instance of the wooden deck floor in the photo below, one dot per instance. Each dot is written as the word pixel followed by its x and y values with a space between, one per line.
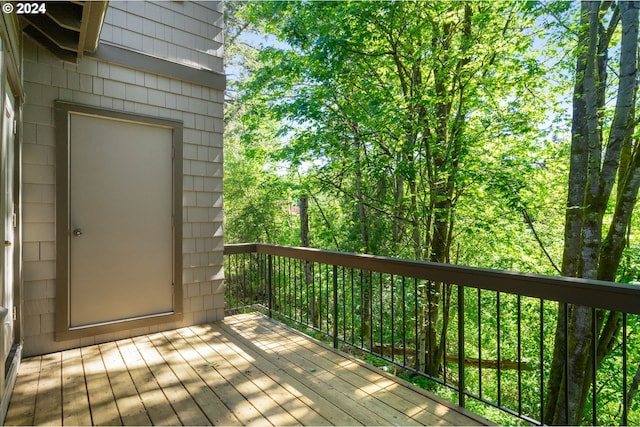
pixel 246 370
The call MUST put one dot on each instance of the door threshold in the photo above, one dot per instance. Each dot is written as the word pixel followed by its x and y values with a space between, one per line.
pixel 121 321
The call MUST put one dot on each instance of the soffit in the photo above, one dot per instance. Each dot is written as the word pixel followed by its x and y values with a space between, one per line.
pixel 68 28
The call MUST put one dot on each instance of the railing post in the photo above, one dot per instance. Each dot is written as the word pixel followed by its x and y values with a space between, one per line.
pixel 270 284
pixel 461 352
pixel 335 306
pixel 625 394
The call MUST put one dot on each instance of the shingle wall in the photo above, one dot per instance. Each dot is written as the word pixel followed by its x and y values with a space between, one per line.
pixel 99 84
pixel 184 32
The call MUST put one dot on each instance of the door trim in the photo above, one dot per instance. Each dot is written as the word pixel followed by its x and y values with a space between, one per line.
pixel 64 331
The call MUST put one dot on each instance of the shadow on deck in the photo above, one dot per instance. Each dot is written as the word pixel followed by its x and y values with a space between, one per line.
pixel 245 370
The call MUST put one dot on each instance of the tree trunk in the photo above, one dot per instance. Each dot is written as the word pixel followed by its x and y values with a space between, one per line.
pixel 443 146
pixel 365 308
pixel 591 179
pixel 304 221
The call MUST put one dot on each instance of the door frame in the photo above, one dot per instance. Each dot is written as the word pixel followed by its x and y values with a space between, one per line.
pixel 11 85
pixel 10 243
pixel 64 331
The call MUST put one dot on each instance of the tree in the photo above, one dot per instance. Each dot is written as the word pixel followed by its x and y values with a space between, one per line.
pixel 257 194
pixel 604 150
pixel 382 104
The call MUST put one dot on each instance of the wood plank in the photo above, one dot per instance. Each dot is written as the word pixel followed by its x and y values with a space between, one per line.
pixel 380 386
pixel 185 407
pixel 419 406
pixel 244 408
pixel 424 407
pixel 361 394
pixel 203 393
pixel 104 410
pixel 75 402
pixel 427 408
pixel 48 409
pixel 340 393
pixel 279 373
pixel 287 403
pixel 239 370
pixel 236 376
pixel 130 406
pixel 404 400
pixel 245 370
pixel 22 407
pixel 158 407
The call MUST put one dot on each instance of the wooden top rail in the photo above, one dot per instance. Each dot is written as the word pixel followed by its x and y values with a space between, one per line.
pixel 240 248
pixel 591 293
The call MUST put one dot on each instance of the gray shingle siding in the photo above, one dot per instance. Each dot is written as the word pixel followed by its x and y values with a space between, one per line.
pixel 188 32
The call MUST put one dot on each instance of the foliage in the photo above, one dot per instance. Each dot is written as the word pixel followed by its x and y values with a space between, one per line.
pixel 361 126
pixel 257 196
pixel 258 193
pixel 422 130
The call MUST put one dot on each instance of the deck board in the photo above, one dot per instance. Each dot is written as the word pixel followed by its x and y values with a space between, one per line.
pixel 104 410
pixel 327 411
pixel 74 390
pixel 245 370
pixel 183 404
pixel 159 410
pixel 212 406
pixel 326 381
pixel 23 410
pixel 49 395
pixel 130 406
pixel 237 371
pixel 244 409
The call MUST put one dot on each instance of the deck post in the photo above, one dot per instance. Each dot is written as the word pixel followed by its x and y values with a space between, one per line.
pixel 270 284
pixel 335 306
pixel 461 385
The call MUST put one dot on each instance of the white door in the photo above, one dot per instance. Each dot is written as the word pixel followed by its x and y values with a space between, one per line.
pixel 120 209
pixel 8 222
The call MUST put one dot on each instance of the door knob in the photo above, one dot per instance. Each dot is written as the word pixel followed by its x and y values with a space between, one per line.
pixel 77 232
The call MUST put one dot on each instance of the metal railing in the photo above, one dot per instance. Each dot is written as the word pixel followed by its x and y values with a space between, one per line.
pixel 483 338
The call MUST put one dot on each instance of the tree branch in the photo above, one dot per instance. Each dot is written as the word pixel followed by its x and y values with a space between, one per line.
pixel 326 220
pixel 354 197
pixel 527 218
pixel 633 388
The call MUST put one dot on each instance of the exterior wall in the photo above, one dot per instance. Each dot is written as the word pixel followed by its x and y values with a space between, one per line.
pixel 96 82
pixel 184 32
pixel 10 272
